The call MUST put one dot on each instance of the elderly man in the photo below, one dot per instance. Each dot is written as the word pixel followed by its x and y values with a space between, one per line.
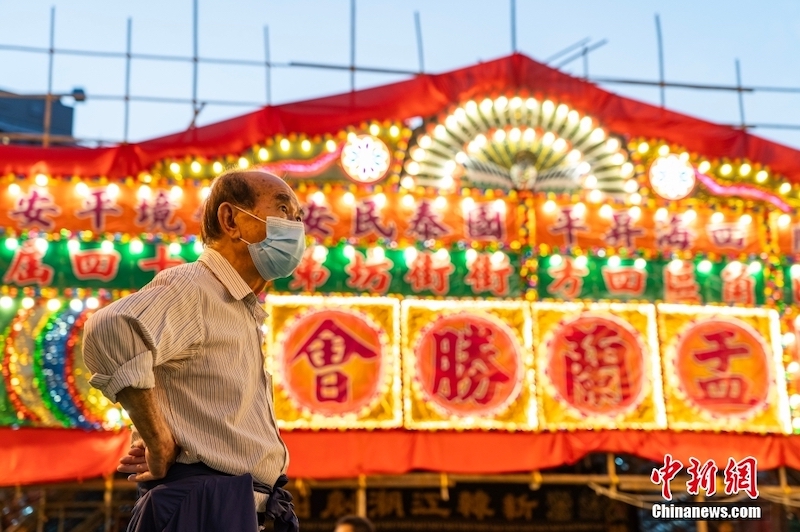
pixel 184 357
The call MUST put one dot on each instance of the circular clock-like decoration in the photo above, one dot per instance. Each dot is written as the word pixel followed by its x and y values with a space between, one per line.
pixel 672 178
pixel 365 159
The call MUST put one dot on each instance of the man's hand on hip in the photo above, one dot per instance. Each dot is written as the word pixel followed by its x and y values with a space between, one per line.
pixel 144 464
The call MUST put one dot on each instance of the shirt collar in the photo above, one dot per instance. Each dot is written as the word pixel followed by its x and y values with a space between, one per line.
pixel 227 275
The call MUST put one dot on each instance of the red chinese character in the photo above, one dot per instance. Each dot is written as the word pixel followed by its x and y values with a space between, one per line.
pixel 95 264
pixel 328 347
pixel 680 284
pixel 310 273
pixel 674 234
pixel 738 286
pixel 625 280
pixel 156 214
pixel 704 476
pixel 316 219
pixel 597 373
pixel 732 235
pixel 97 205
pixel 720 350
pixel 161 261
pixel 485 222
pixel 429 272
pixel 27 267
pixel 369 274
pixel 488 274
pixel 567 279
pixel 741 476
pixel 569 223
pixel 367 220
pixel 426 222
pixel 464 365
pixel 665 474
pixel 724 389
pixel 622 232
pixel 35 209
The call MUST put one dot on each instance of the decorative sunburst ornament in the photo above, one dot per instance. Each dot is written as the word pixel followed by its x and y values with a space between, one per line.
pixel 523 144
pixel 365 158
pixel 672 178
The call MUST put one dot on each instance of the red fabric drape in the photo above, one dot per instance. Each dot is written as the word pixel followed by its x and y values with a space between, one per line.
pixel 32 456
pixel 423 95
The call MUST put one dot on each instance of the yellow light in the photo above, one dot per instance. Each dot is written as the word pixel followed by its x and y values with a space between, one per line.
pixel 631 186
pixel 144 192
pixel 319 254
pixel 754 267
pixel 640 264
pixel 612 145
pixel 595 196
pixel 113 191
pixel 744 170
pixel 53 305
pixel 374 130
pixel 263 154
pixel 92 303
pixel 348 198
pixel 440 131
pixel 113 416
pixel 217 167
pixel 635 212
pixel 498 257
pixel 243 163
pixel 418 154
pixel 467 204
pixel 73 246
pixel 41 244
pixel 762 176
pixel 285 144
pixel 42 180
pixel 500 135
pixel 306 144
pixel 378 254
pixel 441 255
pixel 579 209
pixel 107 246
pixel 704 167
pixel 784 220
pixel 407 182
pixel 626 170
pixel 408 201
pixel 318 197
pixel 556 260
pixel 549 206
pixel 717 218
pixel 515 134
pixel 793 367
pixel 205 192
pixel 136 246
pixel 425 142
pixel 6 302
pixel 14 189
pixel 27 303
pixel 606 211
pixel 725 169
pixel 614 261
pixel 440 202
pixel 380 200
pixel 548 138
pixel 745 219
pixel 636 198
pixel 785 188
pixel 675 265
pixel 394 131
pixel 644 147
pixel 560 145
pixel 175 192
pixel 683 156
pixel 661 214
pixel 330 145
pixel 581 261
pixel 196 167
pixel 174 248
pixel 446 182
pixel 689 216
pixel 590 181
pixel 175 168
pixel 663 150
pixel 412 167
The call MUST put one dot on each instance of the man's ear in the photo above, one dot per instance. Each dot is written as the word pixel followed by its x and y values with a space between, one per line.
pixel 226 215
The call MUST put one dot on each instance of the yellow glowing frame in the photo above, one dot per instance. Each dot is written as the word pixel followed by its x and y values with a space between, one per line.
pixel 384 411
pixel 421 413
pixel 775 416
pixel 647 413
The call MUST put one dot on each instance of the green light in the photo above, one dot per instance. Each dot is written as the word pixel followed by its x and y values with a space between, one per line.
pixel 754 267
pixel 12 243
pixel 556 260
pixel 704 266
pixel 136 247
pixel 198 247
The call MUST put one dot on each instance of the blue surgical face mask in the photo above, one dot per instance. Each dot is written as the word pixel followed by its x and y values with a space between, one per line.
pixel 280 252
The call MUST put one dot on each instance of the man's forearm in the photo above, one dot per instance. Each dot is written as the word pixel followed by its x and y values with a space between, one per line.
pixel 147 417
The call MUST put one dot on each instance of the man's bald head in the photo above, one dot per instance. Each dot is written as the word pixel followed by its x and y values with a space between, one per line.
pixel 242 188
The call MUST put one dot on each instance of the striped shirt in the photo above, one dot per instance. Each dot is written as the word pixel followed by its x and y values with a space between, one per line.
pixel 194 335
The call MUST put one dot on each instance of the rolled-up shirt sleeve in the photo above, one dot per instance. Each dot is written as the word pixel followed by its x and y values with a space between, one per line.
pixel 123 342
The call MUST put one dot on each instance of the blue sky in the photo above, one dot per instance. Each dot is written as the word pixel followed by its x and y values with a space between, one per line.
pixel 702 39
